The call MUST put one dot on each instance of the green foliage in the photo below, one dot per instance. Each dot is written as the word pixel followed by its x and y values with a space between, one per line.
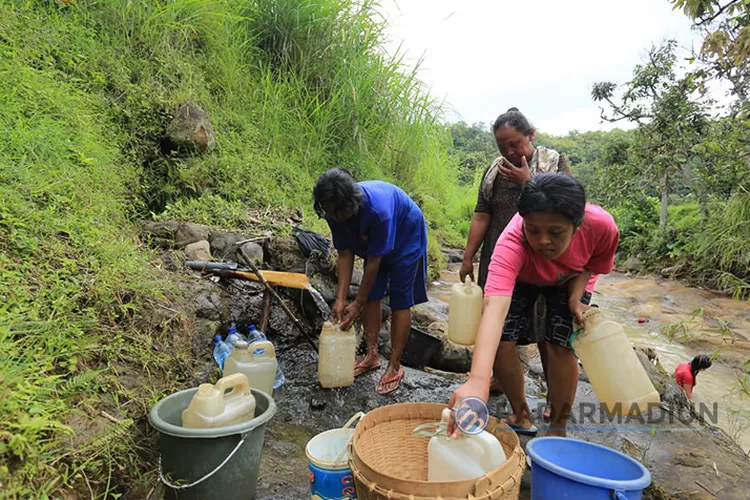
pixel 473 149
pixel 671 114
pixel 87 90
pixel 725 25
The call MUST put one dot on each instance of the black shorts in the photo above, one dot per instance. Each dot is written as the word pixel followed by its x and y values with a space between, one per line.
pixel 559 319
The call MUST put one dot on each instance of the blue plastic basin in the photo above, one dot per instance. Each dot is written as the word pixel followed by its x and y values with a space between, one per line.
pixel 570 468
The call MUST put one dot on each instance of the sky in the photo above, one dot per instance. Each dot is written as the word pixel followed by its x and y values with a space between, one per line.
pixel 542 56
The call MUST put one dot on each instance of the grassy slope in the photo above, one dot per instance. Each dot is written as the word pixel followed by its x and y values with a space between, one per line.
pixel 86 91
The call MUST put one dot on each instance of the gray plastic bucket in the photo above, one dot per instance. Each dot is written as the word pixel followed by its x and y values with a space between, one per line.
pixel 202 464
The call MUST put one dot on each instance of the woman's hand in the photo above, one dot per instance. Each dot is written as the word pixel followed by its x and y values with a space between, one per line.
pixel 577 308
pixel 474 387
pixel 337 312
pixel 467 269
pixel 351 314
pixel 513 174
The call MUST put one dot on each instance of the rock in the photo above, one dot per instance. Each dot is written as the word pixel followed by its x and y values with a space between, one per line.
pixel 357 275
pixel 283 254
pixel 246 302
pixel 200 250
pixel 692 458
pixel 656 373
pixel 317 404
pixel 209 301
pixel 224 247
pixel 430 312
pixel 453 255
pixel 672 270
pixel 254 251
pixel 452 357
pixel 634 264
pixel 191 131
pixel 188 232
pixel 161 234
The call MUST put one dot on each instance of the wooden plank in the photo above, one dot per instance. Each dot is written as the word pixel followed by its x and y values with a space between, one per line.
pixel 279 278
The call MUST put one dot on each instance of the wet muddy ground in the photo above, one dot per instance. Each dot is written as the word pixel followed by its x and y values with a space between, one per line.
pixel 686 458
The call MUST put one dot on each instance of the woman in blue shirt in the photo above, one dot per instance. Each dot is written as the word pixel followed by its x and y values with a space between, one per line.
pixel 378 222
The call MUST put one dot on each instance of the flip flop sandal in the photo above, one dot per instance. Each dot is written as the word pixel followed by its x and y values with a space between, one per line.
pixel 395 380
pixel 526 431
pixel 360 369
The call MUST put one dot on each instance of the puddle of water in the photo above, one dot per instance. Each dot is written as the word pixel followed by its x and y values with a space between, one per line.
pixel 660 302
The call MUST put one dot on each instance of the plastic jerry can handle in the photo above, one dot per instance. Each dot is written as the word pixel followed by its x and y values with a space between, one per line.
pixel 237 382
pixel 262 349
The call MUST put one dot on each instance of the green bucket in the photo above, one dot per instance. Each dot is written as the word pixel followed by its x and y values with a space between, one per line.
pixel 200 464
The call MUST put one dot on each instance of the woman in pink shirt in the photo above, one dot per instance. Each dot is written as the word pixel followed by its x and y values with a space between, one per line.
pixel 686 374
pixel 556 246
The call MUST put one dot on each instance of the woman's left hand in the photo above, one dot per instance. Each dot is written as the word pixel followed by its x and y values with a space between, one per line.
pixel 351 313
pixel 514 174
pixel 577 308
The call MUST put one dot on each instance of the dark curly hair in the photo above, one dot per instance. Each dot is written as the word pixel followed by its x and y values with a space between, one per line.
pixel 337 186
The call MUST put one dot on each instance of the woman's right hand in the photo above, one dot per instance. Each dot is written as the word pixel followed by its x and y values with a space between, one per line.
pixel 338 310
pixel 467 269
pixel 472 388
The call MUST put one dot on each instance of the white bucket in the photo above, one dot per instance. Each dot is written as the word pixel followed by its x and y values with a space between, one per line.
pixel 328 459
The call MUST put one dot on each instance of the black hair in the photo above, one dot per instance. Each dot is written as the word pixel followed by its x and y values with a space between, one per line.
pixel 555 194
pixel 336 185
pixel 700 362
pixel 515 119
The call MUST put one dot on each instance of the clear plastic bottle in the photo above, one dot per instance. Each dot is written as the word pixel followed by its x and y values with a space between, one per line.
pixel 254 335
pixel 233 336
pixel 222 350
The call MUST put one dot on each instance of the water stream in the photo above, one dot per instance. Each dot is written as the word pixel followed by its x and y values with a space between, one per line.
pixel 722 326
pixel 319 301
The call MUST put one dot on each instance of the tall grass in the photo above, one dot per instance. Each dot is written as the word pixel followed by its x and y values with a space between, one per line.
pixel 87 89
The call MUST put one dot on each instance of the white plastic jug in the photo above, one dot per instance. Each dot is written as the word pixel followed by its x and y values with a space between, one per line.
pixel 467 457
pixel 211 407
pixel 337 353
pixel 257 361
pixel 465 312
pixel 616 374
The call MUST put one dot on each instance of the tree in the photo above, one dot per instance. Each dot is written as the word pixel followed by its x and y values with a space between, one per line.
pixel 671 113
pixel 725 25
pixel 474 148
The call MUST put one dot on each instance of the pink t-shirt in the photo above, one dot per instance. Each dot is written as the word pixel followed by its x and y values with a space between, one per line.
pixel 592 248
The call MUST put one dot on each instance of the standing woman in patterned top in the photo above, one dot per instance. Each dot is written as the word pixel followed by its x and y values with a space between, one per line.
pixel 498 197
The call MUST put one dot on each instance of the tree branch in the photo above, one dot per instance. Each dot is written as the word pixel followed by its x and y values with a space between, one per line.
pixel 710 19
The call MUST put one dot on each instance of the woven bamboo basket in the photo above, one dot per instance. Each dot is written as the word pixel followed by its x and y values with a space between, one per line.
pixel 390 463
